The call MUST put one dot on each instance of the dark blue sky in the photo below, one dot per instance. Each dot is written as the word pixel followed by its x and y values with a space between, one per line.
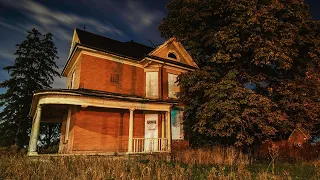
pixel 119 19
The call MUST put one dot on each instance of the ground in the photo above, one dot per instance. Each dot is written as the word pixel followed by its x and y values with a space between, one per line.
pixel 218 166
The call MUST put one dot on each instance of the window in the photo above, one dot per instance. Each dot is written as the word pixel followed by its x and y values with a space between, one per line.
pixel 173 87
pixel 115 78
pixel 72 80
pixel 172 55
pixel 152 84
pixel 176 125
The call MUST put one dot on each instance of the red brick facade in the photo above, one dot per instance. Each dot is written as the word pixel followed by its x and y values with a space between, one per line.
pixel 96 74
pixel 94 129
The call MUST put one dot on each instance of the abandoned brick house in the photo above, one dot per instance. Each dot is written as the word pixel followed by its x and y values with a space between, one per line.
pixel 120 97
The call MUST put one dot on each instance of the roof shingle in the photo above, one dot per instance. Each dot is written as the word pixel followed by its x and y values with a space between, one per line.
pixel 129 49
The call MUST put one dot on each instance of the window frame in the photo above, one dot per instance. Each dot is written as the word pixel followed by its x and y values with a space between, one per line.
pixel 146 84
pixel 175 82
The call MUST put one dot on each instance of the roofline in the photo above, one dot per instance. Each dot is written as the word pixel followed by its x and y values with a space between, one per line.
pixel 306 136
pixel 163 44
pixel 154 58
pixel 168 61
pixel 79 45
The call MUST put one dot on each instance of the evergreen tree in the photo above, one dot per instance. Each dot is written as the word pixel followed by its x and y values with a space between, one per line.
pixel 259 68
pixel 34 68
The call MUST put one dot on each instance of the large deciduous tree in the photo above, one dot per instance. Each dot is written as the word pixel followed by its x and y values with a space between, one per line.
pixel 34 68
pixel 259 68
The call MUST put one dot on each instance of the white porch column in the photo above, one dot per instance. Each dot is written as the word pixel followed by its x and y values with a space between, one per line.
pixel 35 133
pixel 130 131
pixel 66 137
pixel 168 129
pixel 163 143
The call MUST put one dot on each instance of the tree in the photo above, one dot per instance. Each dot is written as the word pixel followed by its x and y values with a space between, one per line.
pixel 34 68
pixel 259 68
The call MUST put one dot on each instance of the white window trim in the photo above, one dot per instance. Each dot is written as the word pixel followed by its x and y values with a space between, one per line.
pixel 72 79
pixel 146 85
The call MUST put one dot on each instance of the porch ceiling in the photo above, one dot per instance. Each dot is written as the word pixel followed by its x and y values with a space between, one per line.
pixel 53 113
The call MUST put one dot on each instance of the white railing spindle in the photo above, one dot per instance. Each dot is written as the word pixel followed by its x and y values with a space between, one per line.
pixel 154 145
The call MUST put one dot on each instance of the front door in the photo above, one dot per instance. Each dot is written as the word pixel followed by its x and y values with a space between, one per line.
pixel 151 133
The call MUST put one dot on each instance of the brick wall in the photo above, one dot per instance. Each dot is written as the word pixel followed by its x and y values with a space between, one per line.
pixel 104 130
pixel 96 73
pixel 101 130
pixel 77 69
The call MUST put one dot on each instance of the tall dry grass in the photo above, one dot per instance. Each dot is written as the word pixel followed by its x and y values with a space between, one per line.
pixel 215 155
pixel 216 163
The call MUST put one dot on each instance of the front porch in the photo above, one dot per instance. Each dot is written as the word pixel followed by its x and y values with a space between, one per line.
pixel 117 127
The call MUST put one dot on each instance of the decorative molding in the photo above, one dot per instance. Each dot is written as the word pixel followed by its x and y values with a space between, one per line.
pixel 152 69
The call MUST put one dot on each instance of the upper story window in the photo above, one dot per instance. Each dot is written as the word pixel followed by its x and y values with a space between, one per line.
pixel 72 80
pixel 115 78
pixel 152 90
pixel 172 55
pixel 173 87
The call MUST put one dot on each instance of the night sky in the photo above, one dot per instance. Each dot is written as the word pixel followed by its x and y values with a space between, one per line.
pixel 123 20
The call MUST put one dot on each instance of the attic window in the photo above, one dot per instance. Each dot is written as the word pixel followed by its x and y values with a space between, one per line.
pixel 172 55
pixel 115 78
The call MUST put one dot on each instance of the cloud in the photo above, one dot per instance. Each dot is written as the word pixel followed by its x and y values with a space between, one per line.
pixel 6 54
pixel 139 17
pixel 59 23
pixel 59 83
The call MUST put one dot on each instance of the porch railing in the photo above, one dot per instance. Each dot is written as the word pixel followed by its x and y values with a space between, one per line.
pixel 147 145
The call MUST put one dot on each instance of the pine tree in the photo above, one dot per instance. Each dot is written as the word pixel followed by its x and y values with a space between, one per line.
pixel 34 68
pixel 259 68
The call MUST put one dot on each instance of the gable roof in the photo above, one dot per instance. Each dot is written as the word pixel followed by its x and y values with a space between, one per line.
pixel 303 132
pixel 178 46
pixel 129 49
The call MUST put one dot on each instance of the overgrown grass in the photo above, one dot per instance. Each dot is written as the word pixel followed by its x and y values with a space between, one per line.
pixel 194 166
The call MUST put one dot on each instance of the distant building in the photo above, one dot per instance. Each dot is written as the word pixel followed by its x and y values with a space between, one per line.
pixel 120 97
pixel 299 136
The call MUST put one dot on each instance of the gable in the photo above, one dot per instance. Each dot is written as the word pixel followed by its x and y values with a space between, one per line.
pixel 299 134
pixel 174 51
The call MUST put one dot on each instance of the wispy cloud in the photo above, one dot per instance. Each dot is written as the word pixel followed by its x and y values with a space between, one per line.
pixel 139 17
pixel 7 55
pixel 56 22
pixel 59 83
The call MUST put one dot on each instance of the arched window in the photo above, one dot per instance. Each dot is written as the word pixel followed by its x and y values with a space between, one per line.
pixel 172 55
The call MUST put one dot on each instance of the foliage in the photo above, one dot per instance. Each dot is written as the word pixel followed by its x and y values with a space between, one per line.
pixel 34 68
pixel 259 68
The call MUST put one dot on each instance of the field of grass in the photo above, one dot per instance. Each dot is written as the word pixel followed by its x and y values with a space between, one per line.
pixel 216 163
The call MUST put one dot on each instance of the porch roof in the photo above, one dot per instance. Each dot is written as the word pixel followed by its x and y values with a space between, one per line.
pixel 87 97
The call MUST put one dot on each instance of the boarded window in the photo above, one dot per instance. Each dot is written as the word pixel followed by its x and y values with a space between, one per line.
pixel 176 125
pixel 115 78
pixel 173 87
pixel 72 80
pixel 152 84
